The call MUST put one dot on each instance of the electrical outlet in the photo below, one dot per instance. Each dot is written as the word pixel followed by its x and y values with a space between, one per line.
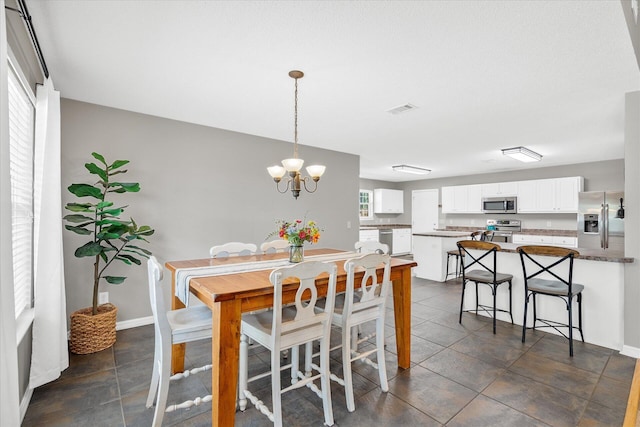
pixel 103 297
pixel 348 224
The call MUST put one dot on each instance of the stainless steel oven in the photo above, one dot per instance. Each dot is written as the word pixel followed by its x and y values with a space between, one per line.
pixel 504 229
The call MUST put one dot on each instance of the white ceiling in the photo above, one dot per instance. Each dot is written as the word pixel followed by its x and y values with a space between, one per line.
pixel 486 75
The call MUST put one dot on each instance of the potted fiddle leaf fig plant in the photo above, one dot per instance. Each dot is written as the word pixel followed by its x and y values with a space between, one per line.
pixel 110 239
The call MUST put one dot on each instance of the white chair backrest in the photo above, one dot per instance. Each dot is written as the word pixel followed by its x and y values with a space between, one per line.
pixel 276 245
pixel 373 293
pixel 232 248
pixel 370 247
pixel 306 318
pixel 158 308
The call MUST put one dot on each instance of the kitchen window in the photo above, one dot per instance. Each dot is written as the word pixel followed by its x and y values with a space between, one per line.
pixel 366 204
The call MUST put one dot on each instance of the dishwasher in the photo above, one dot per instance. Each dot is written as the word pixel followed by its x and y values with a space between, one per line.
pixel 386 237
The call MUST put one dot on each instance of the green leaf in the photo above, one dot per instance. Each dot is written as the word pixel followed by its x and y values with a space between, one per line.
pixel 126 261
pixel 96 170
pixel 89 249
pixel 132 187
pixel 77 218
pixel 77 230
pixel 83 190
pixel 104 257
pixel 114 280
pixel 118 190
pixel 112 212
pixel 103 205
pixel 140 249
pixel 133 259
pixel 79 207
pixel 148 231
pixel 99 157
pixel 118 163
pixel 110 222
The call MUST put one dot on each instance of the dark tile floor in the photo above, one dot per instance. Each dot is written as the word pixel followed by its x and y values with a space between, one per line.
pixel 461 375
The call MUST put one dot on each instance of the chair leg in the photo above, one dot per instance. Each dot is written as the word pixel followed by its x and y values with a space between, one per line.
pixel 446 274
pixel 153 387
pixel 464 285
pixel 163 388
pixel 308 357
pixel 524 320
pixel 325 381
pixel 510 303
pixel 346 367
pixel 494 290
pixel 580 316
pixel 295 363
pixel 243 371
pixel 477 303
pixel 382 365
pixel 569 304
pixel 276 389
pixel 535 313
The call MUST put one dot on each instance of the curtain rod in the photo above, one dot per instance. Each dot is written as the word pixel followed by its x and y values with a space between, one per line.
pixel 24 14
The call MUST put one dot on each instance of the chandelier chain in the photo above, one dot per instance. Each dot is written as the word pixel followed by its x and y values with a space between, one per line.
pixel 295 122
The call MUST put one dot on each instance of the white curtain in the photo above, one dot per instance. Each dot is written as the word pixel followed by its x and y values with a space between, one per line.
pixel 49 355
pixel 9 399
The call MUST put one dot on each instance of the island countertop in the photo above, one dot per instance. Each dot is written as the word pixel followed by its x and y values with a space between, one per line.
pixel 585 253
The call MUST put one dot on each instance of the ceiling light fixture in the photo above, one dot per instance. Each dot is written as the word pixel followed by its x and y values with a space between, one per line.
pixel 292 166
pixel 411 169
pixel 522 154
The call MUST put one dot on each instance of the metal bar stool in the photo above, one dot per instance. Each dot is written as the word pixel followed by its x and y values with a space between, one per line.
pixel 558 283
pixel 484 272
pixel 456 253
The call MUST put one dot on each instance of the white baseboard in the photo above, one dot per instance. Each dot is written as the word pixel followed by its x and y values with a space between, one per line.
pixel 134 323
pixel 24 403
pixel 630 351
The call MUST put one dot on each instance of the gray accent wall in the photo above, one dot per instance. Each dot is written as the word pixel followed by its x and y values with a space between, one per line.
pixel 201 187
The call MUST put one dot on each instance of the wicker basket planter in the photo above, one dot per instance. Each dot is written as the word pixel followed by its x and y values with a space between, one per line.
pixel 90 334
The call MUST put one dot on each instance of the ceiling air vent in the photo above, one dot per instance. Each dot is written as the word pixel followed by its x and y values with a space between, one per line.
pixel 402 109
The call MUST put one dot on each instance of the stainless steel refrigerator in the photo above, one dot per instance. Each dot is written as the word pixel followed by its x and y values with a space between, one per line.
pixel 601 220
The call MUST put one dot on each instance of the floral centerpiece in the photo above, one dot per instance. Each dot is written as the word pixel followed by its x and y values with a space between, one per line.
pixel 296 233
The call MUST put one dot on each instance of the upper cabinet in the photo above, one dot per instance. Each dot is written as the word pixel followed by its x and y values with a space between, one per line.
pixel 559 195
pixel 462 199
pixel 387 201
pixel 498 189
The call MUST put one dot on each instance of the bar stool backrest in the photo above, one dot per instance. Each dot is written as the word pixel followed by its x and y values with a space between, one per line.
pixel 556 258
pixel 484 261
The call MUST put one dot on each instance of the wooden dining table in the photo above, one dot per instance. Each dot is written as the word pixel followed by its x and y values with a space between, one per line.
pixel 230 295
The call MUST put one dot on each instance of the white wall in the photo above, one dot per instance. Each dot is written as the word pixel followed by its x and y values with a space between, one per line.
pixel 200 187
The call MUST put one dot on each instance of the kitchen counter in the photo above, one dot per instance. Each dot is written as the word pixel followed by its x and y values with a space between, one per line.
pixel 379 226
pixel 585 253
pixel 444 233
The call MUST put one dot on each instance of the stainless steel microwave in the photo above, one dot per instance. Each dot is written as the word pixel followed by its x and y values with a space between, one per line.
pixel 499 205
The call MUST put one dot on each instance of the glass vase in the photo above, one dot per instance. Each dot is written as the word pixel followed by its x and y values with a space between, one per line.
pixel 296 253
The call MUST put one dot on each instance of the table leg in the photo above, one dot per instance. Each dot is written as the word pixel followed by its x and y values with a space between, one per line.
pixel 402 313
pixel 177 350
pixel 225 351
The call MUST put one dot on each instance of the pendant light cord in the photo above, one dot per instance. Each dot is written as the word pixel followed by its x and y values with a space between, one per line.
pixel 295 122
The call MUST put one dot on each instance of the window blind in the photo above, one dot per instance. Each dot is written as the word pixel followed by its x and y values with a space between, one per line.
pixel 21 146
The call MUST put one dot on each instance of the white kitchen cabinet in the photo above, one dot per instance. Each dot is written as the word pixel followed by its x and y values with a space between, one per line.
pixel 498 189
pixel 369 235
pixel 557 195
pixel 565 241
pixel 388 201
pixel 532 239
pixel 462 199
pixel 401 241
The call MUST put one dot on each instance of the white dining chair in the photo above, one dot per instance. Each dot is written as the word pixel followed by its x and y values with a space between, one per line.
pixel 289 327
pixel 172 327
pixel 276 245
pixel 364 301
pixel 368 247
pixel 232 248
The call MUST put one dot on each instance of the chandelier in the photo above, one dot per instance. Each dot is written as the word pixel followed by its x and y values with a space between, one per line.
pixel 295 181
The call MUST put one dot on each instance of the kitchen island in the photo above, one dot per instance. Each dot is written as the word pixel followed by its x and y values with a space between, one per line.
pixel 601 273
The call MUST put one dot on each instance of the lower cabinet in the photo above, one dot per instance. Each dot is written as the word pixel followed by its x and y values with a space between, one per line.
pixel 532 239
pixel 401 241
pixel 369 235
